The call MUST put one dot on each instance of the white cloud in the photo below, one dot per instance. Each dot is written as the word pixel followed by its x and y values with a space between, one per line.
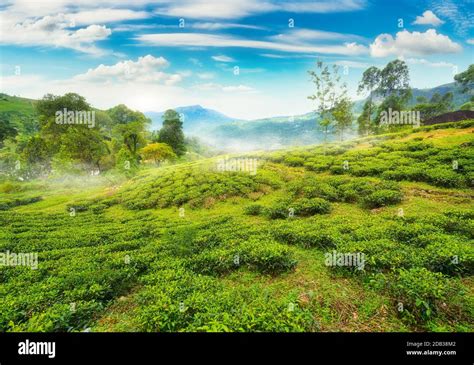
pixel 219 26
pixel 235 9
pixel 53 31
pixel 205 75
pixel 470 41
pixel 146 69
pixel 323 6
pixel 223 58
pixel 212 86
pixel 62 24
pixel 287 56
pixel 416 43
pixel 303 36
pixel 238 88
pixel 352 64
pixel 424 62
pixel 104 16
pixel 428 18
pixel 214 40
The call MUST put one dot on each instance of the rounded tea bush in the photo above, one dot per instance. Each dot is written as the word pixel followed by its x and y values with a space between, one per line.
pixel 253 209
pixel 383 198
pixel 307 207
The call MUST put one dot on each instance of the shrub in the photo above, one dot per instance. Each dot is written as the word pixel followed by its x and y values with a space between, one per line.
pixel 420 291
pixel 382 198
pixel 445 178
pixel 267 256
pixel 294 161
pixel 11 203
pixel 307 235
pixel 279 210
pixel 449 255
pixel 253 209
pixel 381 254
pixel 307 207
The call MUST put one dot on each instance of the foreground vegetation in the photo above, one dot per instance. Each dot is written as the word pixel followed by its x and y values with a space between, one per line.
pixel 191 248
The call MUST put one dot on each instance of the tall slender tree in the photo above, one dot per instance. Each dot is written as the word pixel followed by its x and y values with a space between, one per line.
pixel 330 90
pixel 369 83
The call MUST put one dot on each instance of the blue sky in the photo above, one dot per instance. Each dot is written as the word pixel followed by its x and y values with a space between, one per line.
pixel 245 58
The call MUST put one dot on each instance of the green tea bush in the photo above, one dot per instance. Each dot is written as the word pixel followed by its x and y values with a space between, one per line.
pixel 445 178
pixel 253 209
pixel 307 207
pixel 449 255
pixel 280 209
pixel 382 198
pixel 421 291
pixel 381 254
pixel 6 204
pixel 301 234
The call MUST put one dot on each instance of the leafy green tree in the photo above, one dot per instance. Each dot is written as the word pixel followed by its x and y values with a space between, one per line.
pixel 395 80
pixel 37 156
pixel 330 90
pixel 7 129
pixel 343 116
pixel 172 132
pixel 85 146
pixel 369 83
pixel 132 135
pixel 394 86
pixel 465 78
pixel 436 106
pixel 120 114
pixel 47 108
pixel 157 152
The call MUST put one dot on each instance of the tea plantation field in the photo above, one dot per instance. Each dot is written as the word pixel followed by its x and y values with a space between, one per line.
pixel 190 248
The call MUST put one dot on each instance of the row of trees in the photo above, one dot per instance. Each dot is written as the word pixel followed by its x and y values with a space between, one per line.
pixel 387 89
pixel 118 139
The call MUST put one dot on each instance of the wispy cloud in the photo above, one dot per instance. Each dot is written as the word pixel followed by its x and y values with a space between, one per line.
pixel 460 14
pixel 235 9
pixel 214 40
pixel 219 26
pixel 223 58
pixel 424 62
pixel 211 86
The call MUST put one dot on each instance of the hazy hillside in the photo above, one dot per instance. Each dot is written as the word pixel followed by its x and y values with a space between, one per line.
pixel 194 118
pixel 459 98
pixel 268 133
pixel 224 132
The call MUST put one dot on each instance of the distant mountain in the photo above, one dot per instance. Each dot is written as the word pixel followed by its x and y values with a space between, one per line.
pixel 229 133
pixel 267 133
pixel 303 129
pixel 194 117
pixel 459 98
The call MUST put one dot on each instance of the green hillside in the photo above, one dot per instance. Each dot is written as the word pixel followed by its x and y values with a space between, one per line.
pixel 17 114
pixel 191 247
pixel 16 104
